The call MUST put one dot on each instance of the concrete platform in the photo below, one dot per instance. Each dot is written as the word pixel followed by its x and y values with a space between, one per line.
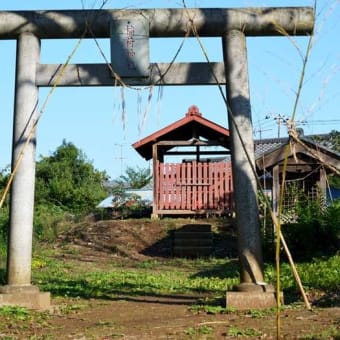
pixel 251 296
pixel 25 296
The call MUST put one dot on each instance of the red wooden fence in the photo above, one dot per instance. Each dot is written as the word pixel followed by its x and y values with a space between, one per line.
pixel 193 186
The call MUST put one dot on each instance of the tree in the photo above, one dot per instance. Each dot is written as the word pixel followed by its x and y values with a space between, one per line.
pixel 134 178
pixel 68 180
pixel 4 177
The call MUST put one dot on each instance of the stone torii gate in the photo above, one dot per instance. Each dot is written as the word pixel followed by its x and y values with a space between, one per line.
pixel 232 25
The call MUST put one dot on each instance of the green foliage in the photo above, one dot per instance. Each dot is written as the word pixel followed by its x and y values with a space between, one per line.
pixel 198 331
pixel 169 279
pixel 17 313
pixel 316 230
pixel 4 224
pixel 124 281
pixel 317 275
pixel 49 221
pixel 209 309
pixel 334 181
pixel 238 332
pixel 4 210
pixel 20 319
pixel 4 176
pixel 134 178
pixel 312 229
pixel 332 332
pixel 68 180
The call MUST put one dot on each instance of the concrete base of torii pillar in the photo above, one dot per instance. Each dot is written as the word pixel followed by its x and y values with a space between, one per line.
pixel 28 296
pixel 252 296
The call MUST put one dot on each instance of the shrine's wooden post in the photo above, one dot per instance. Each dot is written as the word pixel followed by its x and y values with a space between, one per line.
pixel 28 27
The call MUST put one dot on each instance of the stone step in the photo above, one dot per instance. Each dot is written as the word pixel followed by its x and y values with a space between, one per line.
pixel 193 242
pixel 192 235
pixel 195 227
pixel 192 251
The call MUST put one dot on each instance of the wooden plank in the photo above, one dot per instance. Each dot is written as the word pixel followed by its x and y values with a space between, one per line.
pixel 172 188
pixel 156 178
pixel 205 188
pixel 231 189
pixel 178 188
pixel 164 185
pixel 221 189
pixel 183 189
pixel 210 191
pixel 161 186
pixel 227 187
pixel 194 187
pixel 199 187
pixel 188 188
pixel 216 197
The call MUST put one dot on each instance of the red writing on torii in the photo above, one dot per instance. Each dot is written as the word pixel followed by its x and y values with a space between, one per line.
pixel 130 43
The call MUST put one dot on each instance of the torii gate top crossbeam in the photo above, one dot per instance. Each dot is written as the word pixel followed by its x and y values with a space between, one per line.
pixel 209 22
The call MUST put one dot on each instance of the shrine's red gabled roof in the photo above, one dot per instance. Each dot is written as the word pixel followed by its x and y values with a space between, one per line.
pixel 193 125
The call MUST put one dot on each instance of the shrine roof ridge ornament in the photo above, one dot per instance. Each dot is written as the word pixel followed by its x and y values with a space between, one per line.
pixel 193 110
pixel 209 22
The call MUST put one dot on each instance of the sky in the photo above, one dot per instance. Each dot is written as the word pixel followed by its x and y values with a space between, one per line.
pixel 91 117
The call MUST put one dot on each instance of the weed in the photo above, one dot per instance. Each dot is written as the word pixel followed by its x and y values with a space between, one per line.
pixel 16 313
pixel 237 332
pixel 71 308
pixel 201 330
pixel 149 264
pixel 260 313
pixel 329 333
pixel 211 309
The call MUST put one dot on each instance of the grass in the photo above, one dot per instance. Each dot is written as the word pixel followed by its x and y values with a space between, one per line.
pixel 134 278
pixel 330 333
pixel 73 284
pixel 235 331
pixel 318 275
pixel 172 277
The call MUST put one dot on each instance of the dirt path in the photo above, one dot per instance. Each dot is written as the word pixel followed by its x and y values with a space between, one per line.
pixel 152 318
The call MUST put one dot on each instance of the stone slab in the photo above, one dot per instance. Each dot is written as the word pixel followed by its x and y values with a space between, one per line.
pixel 38 300
pixel 251 300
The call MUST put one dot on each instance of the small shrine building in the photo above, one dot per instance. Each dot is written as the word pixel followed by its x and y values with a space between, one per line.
pixel 199 181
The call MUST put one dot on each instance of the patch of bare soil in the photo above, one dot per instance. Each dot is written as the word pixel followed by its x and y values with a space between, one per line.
pixel 151 318
pixel 143 239
pixel 132 317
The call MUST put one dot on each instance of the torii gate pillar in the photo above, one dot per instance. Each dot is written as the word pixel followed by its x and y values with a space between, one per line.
pixel 19 289
pixel 252 292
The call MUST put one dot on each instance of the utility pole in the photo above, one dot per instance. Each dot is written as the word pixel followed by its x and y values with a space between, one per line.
pixel 280 119
pixel 259 130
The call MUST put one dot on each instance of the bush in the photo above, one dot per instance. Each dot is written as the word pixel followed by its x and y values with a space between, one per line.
pixel 49 221
pixel 315 231
pixel 4 223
